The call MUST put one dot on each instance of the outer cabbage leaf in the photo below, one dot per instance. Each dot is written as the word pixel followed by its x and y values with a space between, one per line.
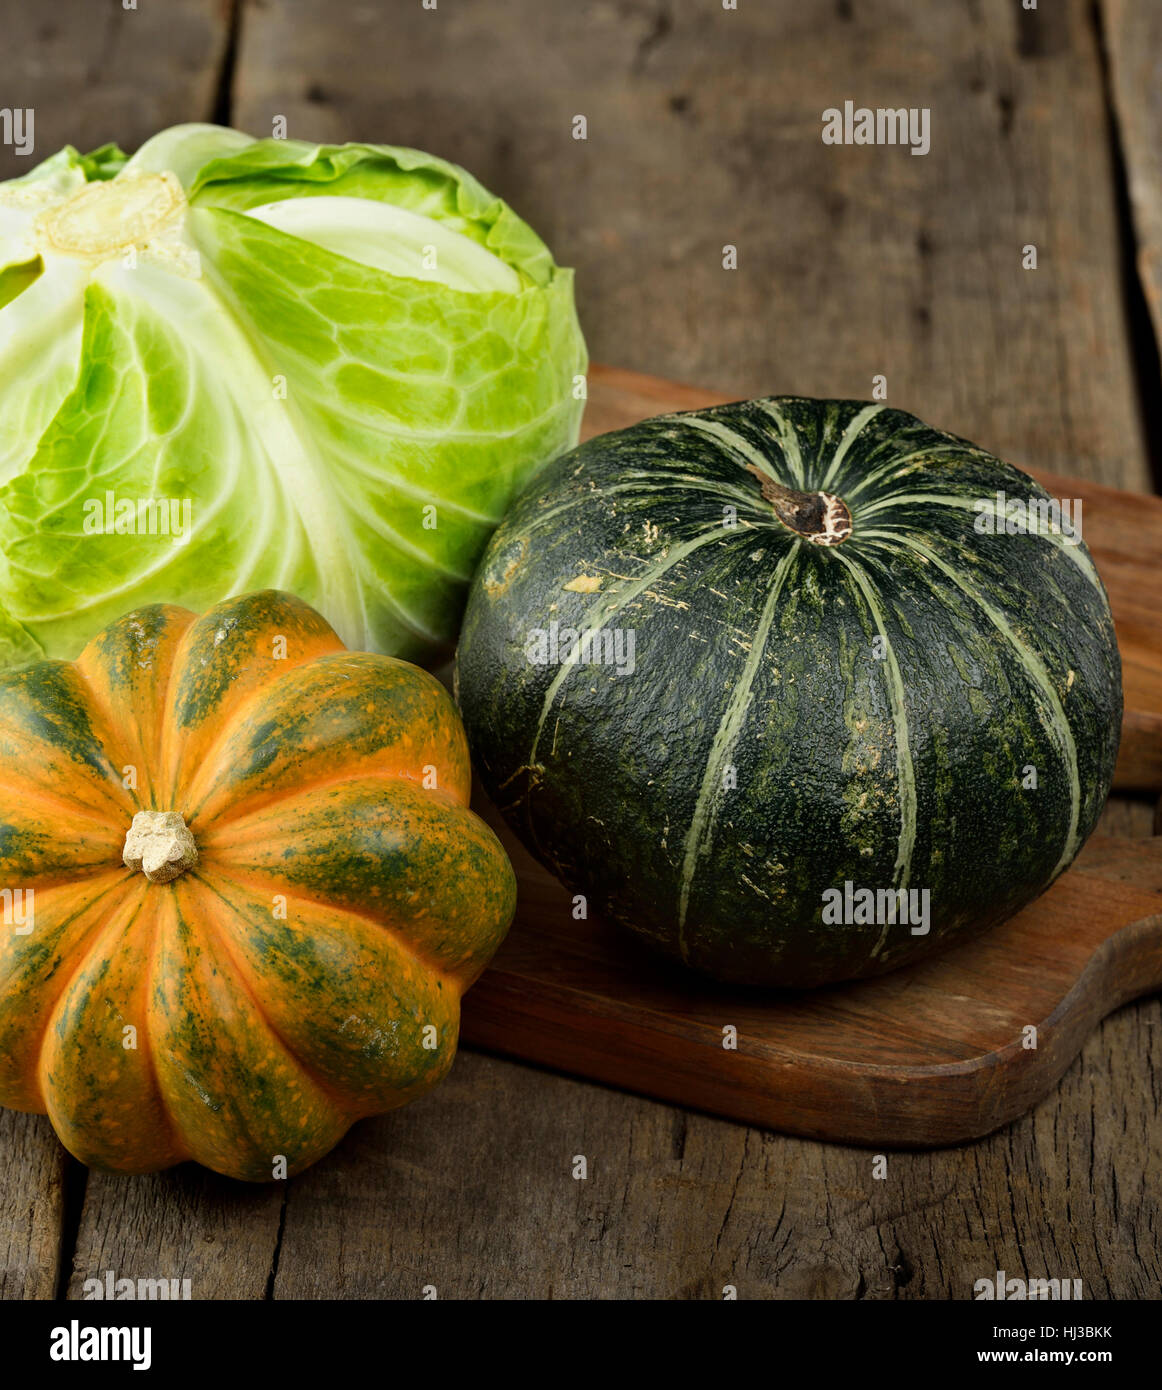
pixel 273 381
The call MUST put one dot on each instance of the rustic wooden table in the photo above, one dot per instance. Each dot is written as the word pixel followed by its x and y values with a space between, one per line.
pixel 704 128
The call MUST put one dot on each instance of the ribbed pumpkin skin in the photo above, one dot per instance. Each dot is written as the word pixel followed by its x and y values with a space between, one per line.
pixel 762 752
pixel 257 1035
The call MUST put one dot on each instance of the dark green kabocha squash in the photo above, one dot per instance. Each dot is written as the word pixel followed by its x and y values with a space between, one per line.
pixel 742 675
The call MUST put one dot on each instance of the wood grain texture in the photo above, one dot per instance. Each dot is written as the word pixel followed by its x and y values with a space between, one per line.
pixel 183 1224
pixel 1133 36
pixel 33 1170
pixel 94 71
pixel 1134 816
pixel 704 130
pixel 472 1191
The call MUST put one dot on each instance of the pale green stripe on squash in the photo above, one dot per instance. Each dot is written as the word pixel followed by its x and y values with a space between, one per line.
pixel 855 427
pixel 905 767
pixel 1056 538
pixel 606 608
pixel 733 441
pixel 788 441
pixel 725 739
pixel 1058 729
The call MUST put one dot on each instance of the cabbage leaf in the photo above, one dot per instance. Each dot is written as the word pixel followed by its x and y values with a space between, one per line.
pixel 230 364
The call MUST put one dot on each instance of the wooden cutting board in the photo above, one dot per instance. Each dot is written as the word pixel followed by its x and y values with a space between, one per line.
pixel 937 1053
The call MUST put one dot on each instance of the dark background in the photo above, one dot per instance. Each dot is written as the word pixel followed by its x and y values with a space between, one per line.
pixel 703 130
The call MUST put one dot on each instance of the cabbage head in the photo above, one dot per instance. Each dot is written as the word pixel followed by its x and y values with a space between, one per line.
pixel 230 364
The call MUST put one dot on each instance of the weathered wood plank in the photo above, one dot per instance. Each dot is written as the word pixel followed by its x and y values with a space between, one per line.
pixel 704 130
pixel 32 1206
pixel 185 1224
pixel 472 1192
pixel 93 71
pixel 1133 34
pixel 1125 815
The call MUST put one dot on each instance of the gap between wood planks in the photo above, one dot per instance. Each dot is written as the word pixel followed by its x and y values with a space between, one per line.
pixel 276 1256
pixel 223 111
pixel 74 1189
pixel 1144 347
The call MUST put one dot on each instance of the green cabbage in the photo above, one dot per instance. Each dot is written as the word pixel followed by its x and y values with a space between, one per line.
pixel 230 364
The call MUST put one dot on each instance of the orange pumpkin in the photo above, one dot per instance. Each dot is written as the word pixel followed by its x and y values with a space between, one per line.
pixel 245 892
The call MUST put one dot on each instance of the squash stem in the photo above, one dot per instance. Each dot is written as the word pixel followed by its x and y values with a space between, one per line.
pixel 159 844
pixel 819 517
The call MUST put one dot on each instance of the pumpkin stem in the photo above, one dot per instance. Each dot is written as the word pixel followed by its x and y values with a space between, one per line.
pixel 820 517
pixel 159 844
